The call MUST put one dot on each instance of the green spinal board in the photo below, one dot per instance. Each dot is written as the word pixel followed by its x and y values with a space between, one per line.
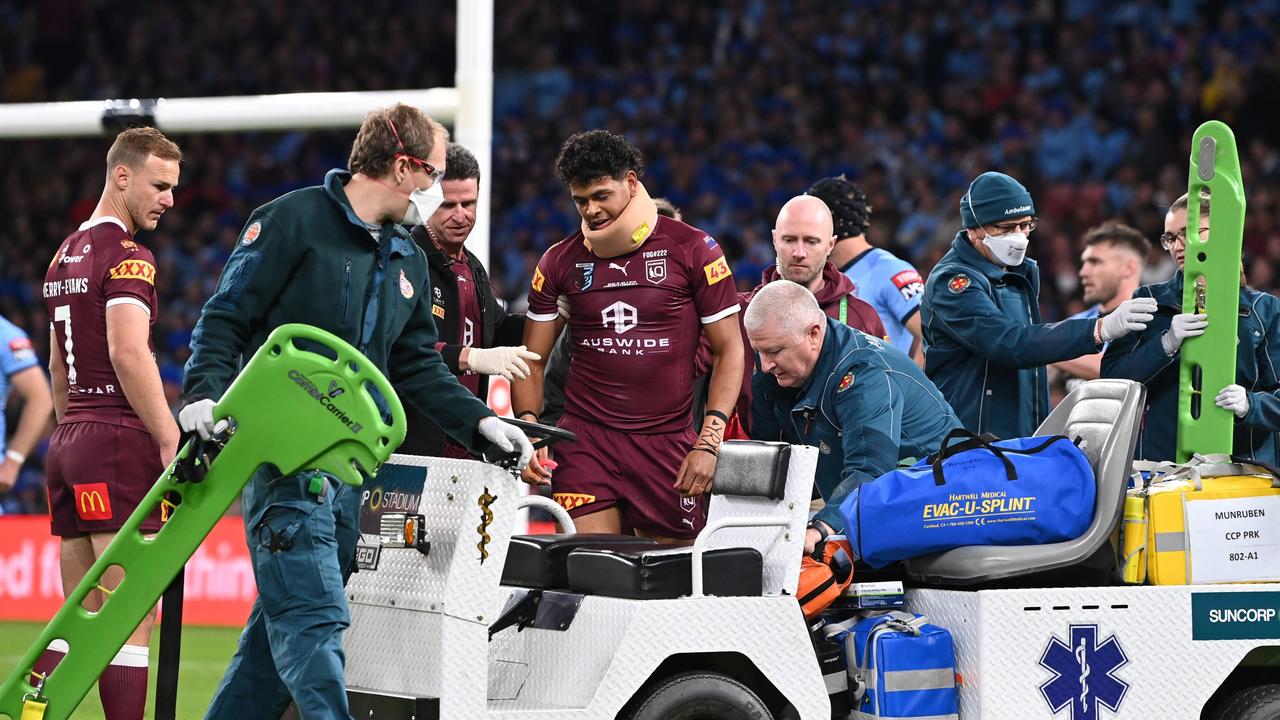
pixel 304 402
pixel 1211 284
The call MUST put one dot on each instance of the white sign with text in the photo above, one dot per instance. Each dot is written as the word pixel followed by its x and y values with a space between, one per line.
pixel 1234 539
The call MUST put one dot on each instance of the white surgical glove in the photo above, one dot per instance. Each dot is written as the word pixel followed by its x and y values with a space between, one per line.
pixel 1132 316
pixel 509 362
pixel 1235 399
pixel 197 417
pixel 562 306
pixel 1184 325
pixel 507 437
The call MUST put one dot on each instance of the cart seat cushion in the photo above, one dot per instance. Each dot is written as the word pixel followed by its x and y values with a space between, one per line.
pixel 538 561
pixel 664 573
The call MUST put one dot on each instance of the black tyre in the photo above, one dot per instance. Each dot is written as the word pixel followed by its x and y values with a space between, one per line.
pixel 700 696
pixel 1260 702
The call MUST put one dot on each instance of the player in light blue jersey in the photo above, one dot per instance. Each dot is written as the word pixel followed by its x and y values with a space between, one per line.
pixel 890 284
pixel 1110 270
pixel 20 372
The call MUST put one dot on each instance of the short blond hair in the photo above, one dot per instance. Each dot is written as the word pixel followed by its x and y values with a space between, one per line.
pixel 390 130
pixel 132 147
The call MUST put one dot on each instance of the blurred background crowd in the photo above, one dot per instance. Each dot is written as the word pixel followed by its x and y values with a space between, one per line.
pixel 737 105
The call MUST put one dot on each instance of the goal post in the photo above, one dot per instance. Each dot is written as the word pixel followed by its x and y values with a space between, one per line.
pixel 467 107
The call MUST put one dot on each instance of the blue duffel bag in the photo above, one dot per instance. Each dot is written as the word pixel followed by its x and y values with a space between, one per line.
pixel 901 666
pixel 979 491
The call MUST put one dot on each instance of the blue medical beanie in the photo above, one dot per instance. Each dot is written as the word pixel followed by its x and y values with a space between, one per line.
pixel 994 197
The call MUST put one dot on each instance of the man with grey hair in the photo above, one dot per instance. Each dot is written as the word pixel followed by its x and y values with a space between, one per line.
pixel 817 377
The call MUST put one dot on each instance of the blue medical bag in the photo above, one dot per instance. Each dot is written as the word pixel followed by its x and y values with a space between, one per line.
pixel 901 666
pixel 980 491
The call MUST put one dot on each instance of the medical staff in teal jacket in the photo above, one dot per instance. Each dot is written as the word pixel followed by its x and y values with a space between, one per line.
pixel 1151 357
pixel 984 344
pixel 862 402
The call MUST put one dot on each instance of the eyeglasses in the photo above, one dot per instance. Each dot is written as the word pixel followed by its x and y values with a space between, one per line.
pixel 430 169
pixel 1168 240
pixel 1025 227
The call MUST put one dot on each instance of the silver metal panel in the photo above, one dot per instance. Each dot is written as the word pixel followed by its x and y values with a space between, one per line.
pixel 614 644
pixel 420 625
pixel 781 547
pixel 1001 636
pixel 388 650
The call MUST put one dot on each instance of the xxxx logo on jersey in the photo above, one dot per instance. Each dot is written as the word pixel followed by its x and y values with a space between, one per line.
pixel 569 501
pixel 135 270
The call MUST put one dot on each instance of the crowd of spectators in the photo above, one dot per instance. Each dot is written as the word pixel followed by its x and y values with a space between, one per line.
pixel 737 104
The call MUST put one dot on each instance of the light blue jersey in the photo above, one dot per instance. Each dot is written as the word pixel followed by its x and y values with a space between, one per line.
pixel 892 287
pixel 16 355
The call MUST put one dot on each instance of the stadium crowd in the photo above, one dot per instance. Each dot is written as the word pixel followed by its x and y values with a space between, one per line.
pixel 737 105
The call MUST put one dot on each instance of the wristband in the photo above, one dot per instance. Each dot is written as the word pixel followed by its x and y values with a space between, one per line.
pixel 15 456
pixel 717 413
pixel 821 527
pixel 1097 333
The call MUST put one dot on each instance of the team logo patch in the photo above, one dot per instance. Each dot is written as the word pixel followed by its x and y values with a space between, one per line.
pixel 688 504
pixel 655 271
pixel 436 291
pixel 128 245
pixel 908 283
pixel 716 270
pixel 92 501
pixel 538 279
pixel 20 348
pixel 585 275
pixel 438 311
pixel 958 284
pixel 406 287
pixel 251 233
pixel 710 241
pixel 135 270
pixel 1083 673
pixel 569 501
pixel 846 382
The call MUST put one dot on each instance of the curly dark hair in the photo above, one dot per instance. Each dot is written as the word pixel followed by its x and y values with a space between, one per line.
pixel 589 156
pixel 848 204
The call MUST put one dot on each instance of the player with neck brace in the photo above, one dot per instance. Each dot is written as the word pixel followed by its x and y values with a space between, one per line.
pixel 984 345
pixel 641 290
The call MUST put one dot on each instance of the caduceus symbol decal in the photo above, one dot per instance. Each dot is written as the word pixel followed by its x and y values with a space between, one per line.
pixel 1081 657
pixel 486 517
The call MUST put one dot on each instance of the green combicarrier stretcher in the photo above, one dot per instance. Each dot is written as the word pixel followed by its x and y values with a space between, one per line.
pixel 305 401
pixel 1211 285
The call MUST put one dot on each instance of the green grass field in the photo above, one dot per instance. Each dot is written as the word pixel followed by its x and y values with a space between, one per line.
pixel 205 654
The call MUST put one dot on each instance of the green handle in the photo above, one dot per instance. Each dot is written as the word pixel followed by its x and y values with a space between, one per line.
pixel 1208 362
pixel 305 401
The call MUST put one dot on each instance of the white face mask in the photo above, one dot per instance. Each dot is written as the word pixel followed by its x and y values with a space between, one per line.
pixel 1010 249
pixel 423 204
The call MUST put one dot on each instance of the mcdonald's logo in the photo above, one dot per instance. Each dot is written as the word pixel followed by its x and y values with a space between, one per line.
pixel 93 502
pixel 134 270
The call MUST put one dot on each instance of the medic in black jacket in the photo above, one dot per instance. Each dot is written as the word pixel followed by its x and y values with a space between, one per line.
pixel 478 337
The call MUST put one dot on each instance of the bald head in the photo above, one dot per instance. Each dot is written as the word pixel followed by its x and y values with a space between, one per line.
pixel 803 239
pixel 786 328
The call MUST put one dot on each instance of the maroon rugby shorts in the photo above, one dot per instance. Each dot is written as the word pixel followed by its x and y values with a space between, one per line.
pixel 97 475
pixel 606 468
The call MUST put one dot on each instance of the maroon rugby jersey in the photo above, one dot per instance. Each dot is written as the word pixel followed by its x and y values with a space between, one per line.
pixel 636 320
pixel 96 267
